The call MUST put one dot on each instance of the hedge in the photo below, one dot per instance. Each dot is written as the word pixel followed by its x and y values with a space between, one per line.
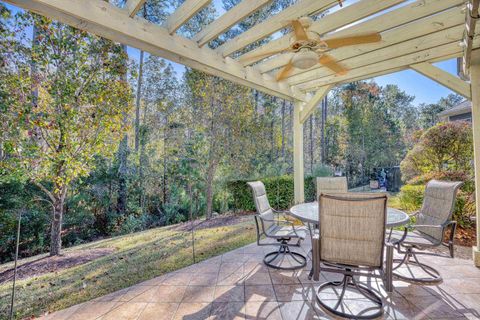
pixel 279 191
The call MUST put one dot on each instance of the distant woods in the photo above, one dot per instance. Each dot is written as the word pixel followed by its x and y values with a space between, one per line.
pixel 96 143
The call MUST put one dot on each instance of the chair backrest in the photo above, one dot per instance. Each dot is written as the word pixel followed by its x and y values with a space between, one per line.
pixel 331 185
pixel 264 210
pixel 352 228
pixel 437 207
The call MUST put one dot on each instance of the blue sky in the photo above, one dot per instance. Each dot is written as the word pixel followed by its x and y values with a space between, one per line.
pixel 424 89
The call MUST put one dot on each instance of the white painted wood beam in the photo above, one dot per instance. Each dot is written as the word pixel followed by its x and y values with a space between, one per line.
pixel 311 104
pixel 183 13
pixel 475 83
pixel 330 22
pixel 398 25
pixel 428 41
pixel 471 17
pixel 133 6
pixel 275 23
pixel 443 77
pixel 298 166
pixel 111 22
pixel 450 50
pixel 229 19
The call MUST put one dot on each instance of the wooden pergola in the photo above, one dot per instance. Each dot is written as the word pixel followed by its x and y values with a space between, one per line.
pixel 414 34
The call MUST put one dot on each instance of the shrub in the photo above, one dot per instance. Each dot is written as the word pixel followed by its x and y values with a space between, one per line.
pixel 279 190
pixel 411 195
pixel 442 148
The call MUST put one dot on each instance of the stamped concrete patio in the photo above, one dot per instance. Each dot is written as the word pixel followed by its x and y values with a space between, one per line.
pixel 237 285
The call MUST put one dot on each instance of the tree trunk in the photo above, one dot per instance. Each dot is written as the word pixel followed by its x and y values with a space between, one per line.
pixel 311 144
pixel 137 102
pixel 209 192
pixel 122 172
pixel 272 136
pixel 283 128
pixel 324 124
pixel 122 168
pixel 56 231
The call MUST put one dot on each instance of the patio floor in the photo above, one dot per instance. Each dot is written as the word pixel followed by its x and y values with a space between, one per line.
pixel 237 285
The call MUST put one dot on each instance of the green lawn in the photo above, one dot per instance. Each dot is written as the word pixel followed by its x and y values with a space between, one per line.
pixel 137 257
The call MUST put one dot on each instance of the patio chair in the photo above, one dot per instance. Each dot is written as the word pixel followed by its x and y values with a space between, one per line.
pixel 331 185
pixel 272 225
pixel 428 231
pixel 350 241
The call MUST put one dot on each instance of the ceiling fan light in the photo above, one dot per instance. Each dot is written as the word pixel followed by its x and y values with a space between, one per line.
pixel 304 59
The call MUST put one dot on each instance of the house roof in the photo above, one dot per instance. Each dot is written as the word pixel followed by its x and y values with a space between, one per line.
pixel 461 108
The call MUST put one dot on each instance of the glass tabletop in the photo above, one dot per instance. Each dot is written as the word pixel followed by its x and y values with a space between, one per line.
pixel 308 212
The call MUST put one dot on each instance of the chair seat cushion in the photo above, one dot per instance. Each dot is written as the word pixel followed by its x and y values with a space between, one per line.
pixel 278 232
pixel 413 238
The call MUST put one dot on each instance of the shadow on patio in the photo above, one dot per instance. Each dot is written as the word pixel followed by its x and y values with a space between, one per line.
pixel 237 285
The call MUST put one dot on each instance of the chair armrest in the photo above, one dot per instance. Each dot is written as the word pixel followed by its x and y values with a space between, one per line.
pixel 316 256
pixel 281 211
pixel 278 221
pixel 438 226
pixel 414 214
pixel 389 242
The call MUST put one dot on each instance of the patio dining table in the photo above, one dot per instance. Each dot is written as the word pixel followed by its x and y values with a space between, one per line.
pixel 308 213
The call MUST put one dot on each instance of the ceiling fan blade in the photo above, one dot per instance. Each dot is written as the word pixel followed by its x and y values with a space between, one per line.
pixel 332 64
pixel 256 57
pixel 282 74
pixel 353 40
pixel 299 31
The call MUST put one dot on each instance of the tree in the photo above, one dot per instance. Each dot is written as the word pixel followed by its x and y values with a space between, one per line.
pixel 222 114
pixel 443 147
pixel 78 113
pixel 429 112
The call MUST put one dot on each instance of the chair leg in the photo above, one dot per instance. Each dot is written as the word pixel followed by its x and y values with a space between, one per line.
pixel 282 251
pixel 347 282
pixel 433 274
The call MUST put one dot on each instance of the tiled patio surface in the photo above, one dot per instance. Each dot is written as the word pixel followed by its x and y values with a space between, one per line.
pixel 237 285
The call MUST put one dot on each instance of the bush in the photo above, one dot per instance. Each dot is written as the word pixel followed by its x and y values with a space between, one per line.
pixel 411 195
pixel 442 148
pixel 279 190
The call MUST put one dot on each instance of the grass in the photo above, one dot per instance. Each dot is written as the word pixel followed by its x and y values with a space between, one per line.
pixel 137 257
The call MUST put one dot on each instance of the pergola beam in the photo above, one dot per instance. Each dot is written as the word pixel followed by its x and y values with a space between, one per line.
pixel 443 77
pixel 183 13
pixel 298 169
pixel 471 17
pixel 133 6
pixel 331 22
pixel 389 52
pixel 311 104
pixel 388 24
pixel 108 21
pixel 275 23
pixel 413 22
pixel 405 61
pixel 475 87
pixel 228 19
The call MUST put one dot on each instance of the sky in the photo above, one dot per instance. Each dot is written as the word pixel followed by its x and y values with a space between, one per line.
pixel 424 89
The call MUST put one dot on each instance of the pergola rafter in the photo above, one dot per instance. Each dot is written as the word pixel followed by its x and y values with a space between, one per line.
pixel 412 24
pixel 414 35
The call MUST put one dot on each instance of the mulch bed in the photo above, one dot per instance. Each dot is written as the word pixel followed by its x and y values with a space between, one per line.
pixel 465 237
pixel 53 264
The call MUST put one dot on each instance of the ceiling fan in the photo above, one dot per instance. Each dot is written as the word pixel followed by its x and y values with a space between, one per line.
pixel 309 48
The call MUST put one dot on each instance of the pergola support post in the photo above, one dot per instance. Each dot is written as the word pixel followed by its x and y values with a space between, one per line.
pixel 298 177
pixel 475 87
